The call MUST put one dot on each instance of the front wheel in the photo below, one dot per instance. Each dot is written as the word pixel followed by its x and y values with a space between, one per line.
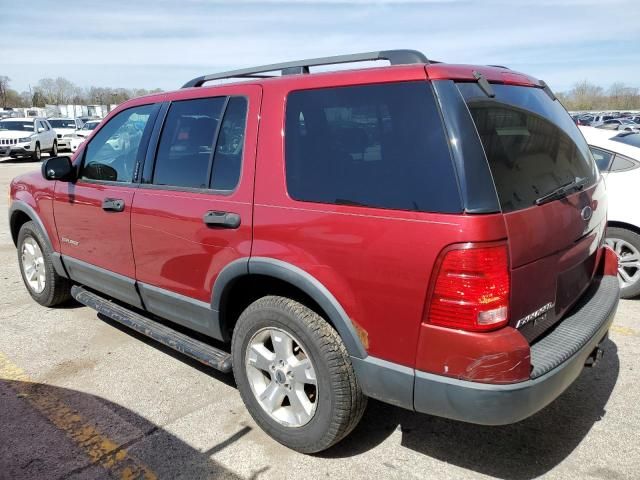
pixel 54 150
pixel 294 375
pixel 37 153
pixel 626 244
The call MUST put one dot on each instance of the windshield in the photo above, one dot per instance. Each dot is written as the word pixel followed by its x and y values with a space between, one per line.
pixel 64 123
pixel 532 145
pixel 632 139
pixel 90 125
pixel 21 126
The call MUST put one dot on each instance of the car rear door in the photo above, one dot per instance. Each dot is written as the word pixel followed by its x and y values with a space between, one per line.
pixel 93 214
pixel 533 147
pixel 192 215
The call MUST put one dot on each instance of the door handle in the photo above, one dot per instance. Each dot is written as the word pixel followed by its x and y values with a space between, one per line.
pixel 113 205
pixel 221 219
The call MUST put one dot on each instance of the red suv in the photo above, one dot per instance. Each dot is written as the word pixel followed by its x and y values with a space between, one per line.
pixel 426 234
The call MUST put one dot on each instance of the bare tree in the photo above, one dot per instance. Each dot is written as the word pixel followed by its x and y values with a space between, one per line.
pixel 4 87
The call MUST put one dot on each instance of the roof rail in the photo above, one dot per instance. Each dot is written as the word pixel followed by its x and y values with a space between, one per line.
pixel 395 57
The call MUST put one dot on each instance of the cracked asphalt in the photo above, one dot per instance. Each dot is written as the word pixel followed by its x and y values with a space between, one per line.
pixel 83 398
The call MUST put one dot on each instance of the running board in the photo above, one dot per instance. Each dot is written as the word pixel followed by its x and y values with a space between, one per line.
pixel 200 351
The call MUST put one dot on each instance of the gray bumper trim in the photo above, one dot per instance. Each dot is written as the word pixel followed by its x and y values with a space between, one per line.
pixel 490 404
pixel 493 404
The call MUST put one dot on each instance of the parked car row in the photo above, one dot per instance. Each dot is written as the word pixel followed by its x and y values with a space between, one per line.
pixel 30 136
pixel 627 121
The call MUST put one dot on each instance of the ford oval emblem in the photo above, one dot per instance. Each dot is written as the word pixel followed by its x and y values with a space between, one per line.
pixel 586 213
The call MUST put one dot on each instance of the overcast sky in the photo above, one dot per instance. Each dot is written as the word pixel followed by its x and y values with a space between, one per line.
pixel 157 43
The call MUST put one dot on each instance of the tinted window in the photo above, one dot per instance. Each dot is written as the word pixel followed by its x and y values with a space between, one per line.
pixel 602 158
pixel 186 143
pixel 621 163
pixel 632 139
pixel 228 157
pixel 374 145
pixel 113 151
pixel 531 143
pixel 62 123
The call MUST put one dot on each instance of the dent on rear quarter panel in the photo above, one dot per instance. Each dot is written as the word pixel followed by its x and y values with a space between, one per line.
pixel 33 190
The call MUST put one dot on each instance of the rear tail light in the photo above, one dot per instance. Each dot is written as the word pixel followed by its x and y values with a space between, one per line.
pixel 470 290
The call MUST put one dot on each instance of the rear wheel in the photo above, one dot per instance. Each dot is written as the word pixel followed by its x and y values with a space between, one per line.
pixel 626 244
pixel 294 375
pixel 38 274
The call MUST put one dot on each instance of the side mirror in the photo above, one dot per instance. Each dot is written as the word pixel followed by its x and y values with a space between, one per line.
pixel 58 168
pixel 40 129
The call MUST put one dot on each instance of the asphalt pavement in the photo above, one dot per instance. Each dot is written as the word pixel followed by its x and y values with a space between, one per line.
pixel 83 398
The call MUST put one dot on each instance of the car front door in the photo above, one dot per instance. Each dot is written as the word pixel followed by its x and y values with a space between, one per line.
pixel 192 214
pixel 93 214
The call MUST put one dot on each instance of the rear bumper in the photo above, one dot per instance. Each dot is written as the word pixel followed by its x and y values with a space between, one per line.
pixel 561 355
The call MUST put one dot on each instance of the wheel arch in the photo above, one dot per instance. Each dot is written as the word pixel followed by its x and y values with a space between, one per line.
pixel 626 226
pixel 247 279
pixel 21 213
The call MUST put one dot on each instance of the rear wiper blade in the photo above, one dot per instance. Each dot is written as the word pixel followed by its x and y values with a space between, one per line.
pixel 575 185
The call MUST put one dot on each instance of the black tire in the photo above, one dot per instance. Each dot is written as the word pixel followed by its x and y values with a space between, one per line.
pixel 54 149
pixel 633 239
pixel 57 289
pixel 36 156
pixel 340 401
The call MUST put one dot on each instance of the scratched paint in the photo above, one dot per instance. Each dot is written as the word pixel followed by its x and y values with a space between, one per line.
pixel 100 449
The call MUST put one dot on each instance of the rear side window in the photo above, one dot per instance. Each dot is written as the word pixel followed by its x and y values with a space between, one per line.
pixel 531 143
pixel 373 145
pixel 187 142
pixel 622 163
pixel 228 157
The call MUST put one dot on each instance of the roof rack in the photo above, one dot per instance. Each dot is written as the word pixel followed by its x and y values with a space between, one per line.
pixel 395 57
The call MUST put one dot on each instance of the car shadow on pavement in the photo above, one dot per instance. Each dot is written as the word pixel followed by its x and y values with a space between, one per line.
pixel 53 432
pixel 524 450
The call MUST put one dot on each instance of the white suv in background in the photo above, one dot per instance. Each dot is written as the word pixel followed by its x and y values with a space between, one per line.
pixel 65 128
pixel 618 157
pixel 27 137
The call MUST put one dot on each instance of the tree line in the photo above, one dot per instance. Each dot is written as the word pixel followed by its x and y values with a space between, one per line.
pixel 588 96
pixel 60 91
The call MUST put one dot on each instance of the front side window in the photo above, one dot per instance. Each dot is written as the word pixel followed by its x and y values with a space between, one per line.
pixel 113 152
pixel 379 146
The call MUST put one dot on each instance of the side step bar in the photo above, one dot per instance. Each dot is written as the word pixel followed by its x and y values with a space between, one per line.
pixel 200 351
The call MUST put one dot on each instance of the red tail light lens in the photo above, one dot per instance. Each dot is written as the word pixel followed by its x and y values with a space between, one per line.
pixel 471 290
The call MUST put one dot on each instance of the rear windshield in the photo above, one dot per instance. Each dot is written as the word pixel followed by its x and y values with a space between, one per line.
pixel 531 143
pixel 63 123
pixel 632 139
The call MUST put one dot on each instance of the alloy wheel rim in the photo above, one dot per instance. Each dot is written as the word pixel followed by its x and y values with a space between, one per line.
pixel 282 377
pixel 33 265
pixel 628 261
